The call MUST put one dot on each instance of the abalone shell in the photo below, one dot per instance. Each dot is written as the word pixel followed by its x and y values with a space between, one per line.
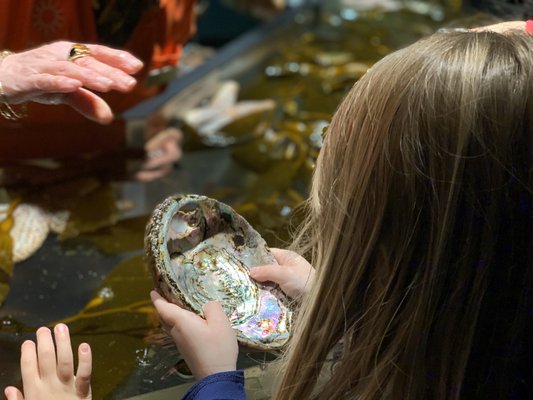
pixel 199 249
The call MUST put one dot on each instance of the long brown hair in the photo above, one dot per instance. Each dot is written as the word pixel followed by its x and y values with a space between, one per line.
pixel 419 227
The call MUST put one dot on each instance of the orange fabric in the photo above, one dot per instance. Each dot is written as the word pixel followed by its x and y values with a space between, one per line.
pixel 59 131
pixel 29 23
pixel 177 12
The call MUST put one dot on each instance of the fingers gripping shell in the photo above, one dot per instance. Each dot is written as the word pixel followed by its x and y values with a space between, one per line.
pixel 198 250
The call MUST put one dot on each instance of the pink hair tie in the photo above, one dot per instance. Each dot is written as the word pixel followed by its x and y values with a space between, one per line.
pixel 529 26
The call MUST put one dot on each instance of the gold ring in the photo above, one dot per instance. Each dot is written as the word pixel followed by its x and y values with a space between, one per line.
pixel 77 51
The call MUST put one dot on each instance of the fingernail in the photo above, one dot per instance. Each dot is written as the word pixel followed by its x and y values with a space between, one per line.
pixel 84 348
pixel 135 63
pixel 129 81
pixel 61 327
pixel 43 329
pixel 131 60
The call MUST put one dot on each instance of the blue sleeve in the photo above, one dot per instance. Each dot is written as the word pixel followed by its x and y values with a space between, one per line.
pixel 222 386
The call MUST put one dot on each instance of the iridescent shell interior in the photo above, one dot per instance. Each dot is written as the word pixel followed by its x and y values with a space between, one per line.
pixel 199 250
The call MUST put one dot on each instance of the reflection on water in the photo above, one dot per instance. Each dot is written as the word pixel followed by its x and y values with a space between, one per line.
pixel 89 272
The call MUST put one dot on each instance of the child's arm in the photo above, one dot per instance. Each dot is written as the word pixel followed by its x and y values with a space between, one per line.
pixel 48 370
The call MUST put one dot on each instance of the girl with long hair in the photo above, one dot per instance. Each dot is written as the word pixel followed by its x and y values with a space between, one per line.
pixel 419 226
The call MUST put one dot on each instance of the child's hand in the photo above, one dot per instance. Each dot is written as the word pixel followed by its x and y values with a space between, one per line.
pixel 294 274
pixel 208 345
pixel 48 372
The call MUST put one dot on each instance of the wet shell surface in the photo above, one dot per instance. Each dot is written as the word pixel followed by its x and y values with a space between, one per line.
pixel 31 227
pixel 199 249
pixel 29 231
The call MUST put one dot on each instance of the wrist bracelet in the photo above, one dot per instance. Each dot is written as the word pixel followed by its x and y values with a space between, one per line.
pixel 6 110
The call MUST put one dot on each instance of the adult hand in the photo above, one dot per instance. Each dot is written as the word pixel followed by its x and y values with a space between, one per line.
pixel 504 27
pixel 162 151
pixel 46 377
pixel 45 75
pixel 294 274
pixel 207 345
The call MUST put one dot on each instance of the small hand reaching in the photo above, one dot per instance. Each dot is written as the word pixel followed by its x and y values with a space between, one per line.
pixel 208 345
pixel 294 274
pixel 48 370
